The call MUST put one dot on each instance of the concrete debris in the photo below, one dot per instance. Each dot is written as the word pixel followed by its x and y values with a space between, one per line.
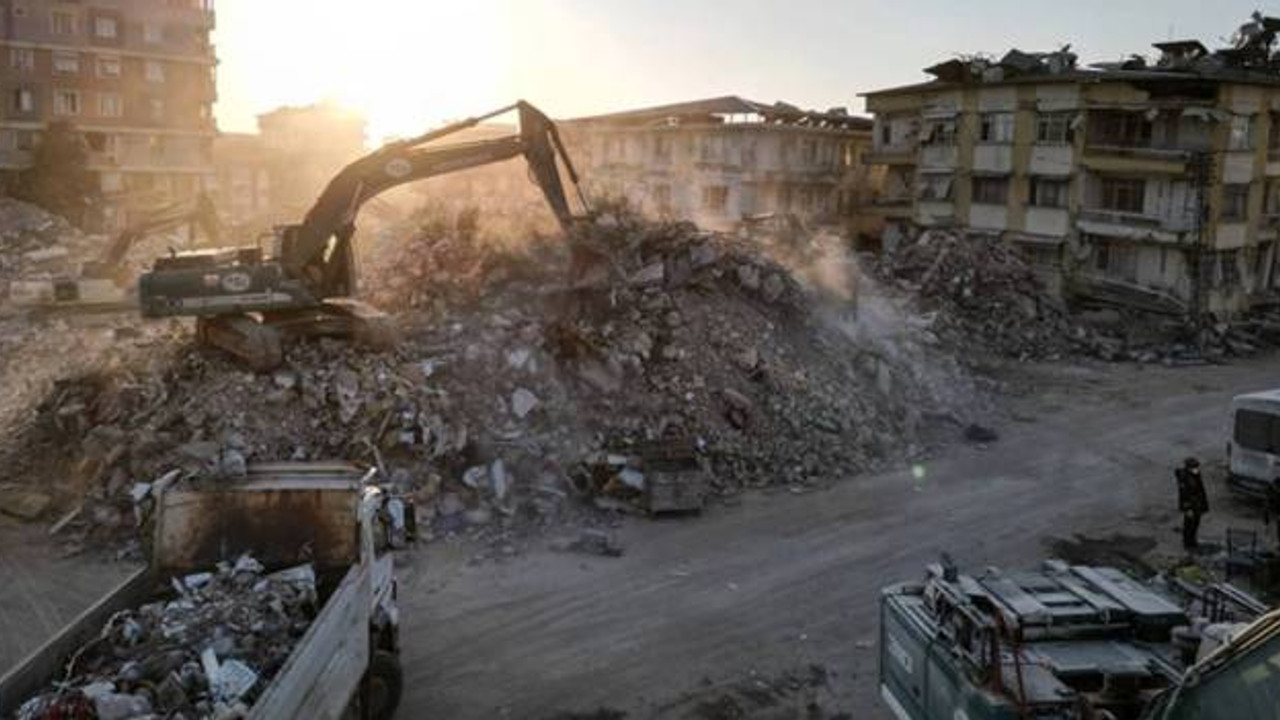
pixel 23 503
pixel 507 357
pixel 213 644
pixel 597 542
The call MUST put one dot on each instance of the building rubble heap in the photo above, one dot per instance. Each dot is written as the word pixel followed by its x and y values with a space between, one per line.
pixel 206 651
pixel 511 390
pixel 986 298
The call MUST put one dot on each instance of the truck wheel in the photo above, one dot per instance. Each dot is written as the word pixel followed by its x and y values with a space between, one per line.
pixel 383 685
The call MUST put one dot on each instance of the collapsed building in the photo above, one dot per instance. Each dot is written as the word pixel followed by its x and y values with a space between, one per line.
pixel 1145 184
pixel 722 161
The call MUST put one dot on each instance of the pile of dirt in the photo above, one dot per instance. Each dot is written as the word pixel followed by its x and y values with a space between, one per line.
pixel 512 388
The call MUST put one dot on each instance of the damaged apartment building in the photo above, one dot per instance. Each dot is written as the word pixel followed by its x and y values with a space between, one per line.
pixel 725 161
pixel 1146 184
pixel 135 77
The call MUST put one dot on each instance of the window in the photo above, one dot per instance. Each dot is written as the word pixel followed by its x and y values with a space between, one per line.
pixel 940 133
pixel 23 100
pixel 157 109
pixel 715 198
pixel 66 63
pixel 152 33
pixel 1120 129
pixel 1054 129
pixel 1241 133
pixel 662 197
pixel 66 102
pixel 1273 134
pixel 1115 259
pixel 28 139
pixel 710 148
pixel 155 71
pixel 936 187
pixel 110 105
pixel 886 134
pixel 106 27
pixel 23 59
pixel 112 182
pixel 1258 431
pixel 1235 202
pixel 661 148
pixel 157 146
pixel 62 22
pixel 996 128
pixel 1049 193
pixel 748 152
pixel 1228 268
pixel 991 190
pixel 1124 195
pixel 809 152
pixel 108 66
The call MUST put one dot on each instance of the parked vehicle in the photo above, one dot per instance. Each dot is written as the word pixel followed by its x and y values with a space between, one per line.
pixel 1072 643
pixel 346 664
pixel 1253 450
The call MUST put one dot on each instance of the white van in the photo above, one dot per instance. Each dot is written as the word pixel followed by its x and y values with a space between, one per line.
pixel 1253 453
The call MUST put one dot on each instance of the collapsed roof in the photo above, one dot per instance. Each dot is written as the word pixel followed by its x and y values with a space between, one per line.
pixel 732 109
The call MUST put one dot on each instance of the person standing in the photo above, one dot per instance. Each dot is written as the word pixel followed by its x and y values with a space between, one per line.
pixel 1193 501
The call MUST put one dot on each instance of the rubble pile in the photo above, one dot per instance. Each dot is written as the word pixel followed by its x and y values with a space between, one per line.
pixel 986 297
pixel 32 240
pixel 206 651
pixel 523 377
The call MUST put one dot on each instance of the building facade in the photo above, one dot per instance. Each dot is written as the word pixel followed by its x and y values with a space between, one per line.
pixel 136 77
pixel 723 161
pixel 307 146
pixel 1150 185
pixel 242 168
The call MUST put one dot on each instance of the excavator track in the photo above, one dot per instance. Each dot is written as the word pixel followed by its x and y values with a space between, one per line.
pixel 258 341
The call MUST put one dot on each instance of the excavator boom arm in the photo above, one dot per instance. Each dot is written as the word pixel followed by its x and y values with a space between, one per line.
pixel 334 213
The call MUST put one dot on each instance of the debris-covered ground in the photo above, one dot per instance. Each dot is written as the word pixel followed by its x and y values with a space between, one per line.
pixel 524 377
pixel 984 298
pixel 206 650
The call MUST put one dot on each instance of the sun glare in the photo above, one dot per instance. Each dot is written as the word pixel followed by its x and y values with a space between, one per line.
pixel 405 65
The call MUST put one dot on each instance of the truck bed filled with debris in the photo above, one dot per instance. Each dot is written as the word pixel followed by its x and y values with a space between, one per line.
pixel 208 642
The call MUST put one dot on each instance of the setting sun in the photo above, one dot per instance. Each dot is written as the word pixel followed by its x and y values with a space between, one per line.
pixel 406 66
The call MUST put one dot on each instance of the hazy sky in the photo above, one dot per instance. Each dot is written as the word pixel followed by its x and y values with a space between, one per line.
pixel 409 64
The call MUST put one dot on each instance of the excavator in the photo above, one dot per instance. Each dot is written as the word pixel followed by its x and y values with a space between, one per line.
pixel 102 284
pixel 249 300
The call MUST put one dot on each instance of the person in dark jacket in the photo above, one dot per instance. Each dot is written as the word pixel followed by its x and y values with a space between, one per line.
pixel 1193 501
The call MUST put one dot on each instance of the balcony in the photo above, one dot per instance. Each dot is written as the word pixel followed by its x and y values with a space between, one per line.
pixel 891 155
pixel 1134 225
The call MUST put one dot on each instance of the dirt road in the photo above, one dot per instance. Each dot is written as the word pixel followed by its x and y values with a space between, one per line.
pixel 779 583
pixel 778 586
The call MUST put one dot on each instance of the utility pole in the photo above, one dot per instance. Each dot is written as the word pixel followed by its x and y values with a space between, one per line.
pixel 1201 165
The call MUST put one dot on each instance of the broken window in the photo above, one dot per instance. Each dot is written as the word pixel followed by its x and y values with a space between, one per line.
pixel 936 187
pixel 996 128
pixel 1054 129
pixel 1049 192
pixel 1126 195
pixel 1120 129
pixel 991 190
pixel 715 198
pixel 1241 133
pixel 940 133
pixel 1235 202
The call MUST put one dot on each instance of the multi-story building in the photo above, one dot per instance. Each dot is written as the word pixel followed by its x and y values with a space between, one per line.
pixel 136 77
pixel 308 146
pixel 722 160
pixel 1150 184
pixel 243 170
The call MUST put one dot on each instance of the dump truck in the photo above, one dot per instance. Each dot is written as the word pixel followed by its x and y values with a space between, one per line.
pixel 1068 642
pixel 345 665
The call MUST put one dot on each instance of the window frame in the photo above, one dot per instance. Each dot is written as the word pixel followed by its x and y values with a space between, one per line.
pixel 980 190
pixel 59 94
pixel 1061 187
pixel 997 128
pixel 1113 190
pixel 70 56
pixel 1235 202
pixel 1047 122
